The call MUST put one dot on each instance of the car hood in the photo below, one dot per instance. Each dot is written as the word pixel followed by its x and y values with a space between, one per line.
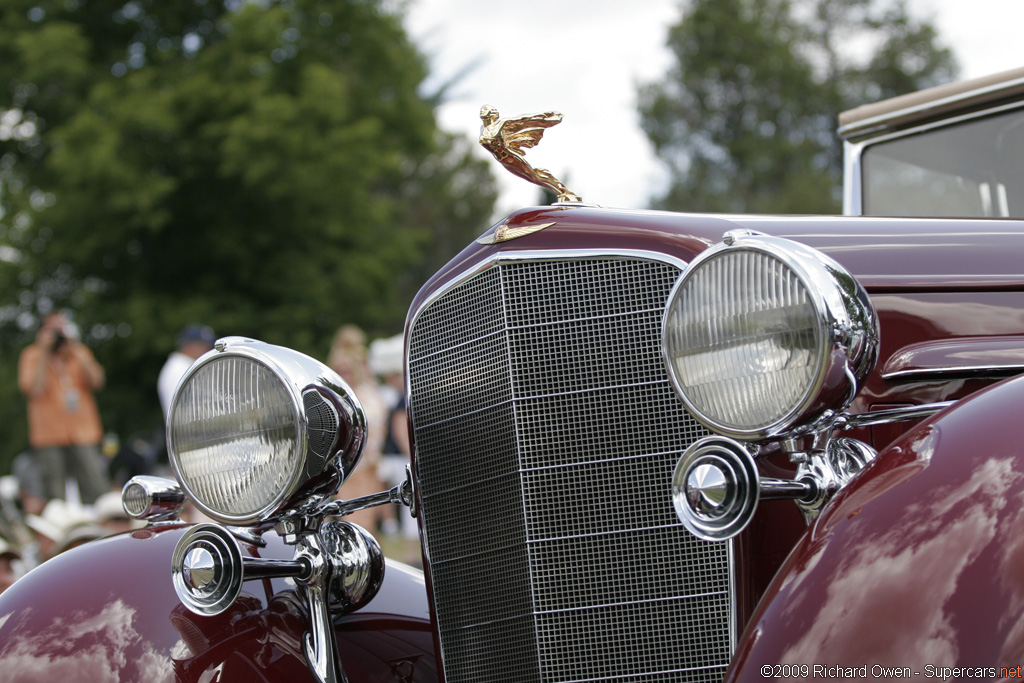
pixel 885 254
pixel 915 254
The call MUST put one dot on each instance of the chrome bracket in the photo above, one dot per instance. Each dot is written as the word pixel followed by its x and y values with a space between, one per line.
pixel 319 643
pixel 831 469
pixel 833 461
pixel 399 495
pixel 410 495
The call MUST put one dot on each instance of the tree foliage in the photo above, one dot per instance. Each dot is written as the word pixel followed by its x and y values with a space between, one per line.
pixel 268 167
pixel 745 119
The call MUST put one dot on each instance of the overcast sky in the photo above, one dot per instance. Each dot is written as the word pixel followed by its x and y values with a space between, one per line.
pixel 585 58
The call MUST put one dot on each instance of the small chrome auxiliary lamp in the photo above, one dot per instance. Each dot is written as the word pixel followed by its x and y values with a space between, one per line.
pixel 767 340
pixel 262 437
pixel 155 500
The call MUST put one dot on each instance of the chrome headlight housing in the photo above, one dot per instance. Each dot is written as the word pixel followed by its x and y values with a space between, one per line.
pixel 255 429
pixel 763 335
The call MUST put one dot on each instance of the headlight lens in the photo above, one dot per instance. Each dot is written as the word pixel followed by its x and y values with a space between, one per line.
pixel 236 436
pixel 756 332
pixel 251 423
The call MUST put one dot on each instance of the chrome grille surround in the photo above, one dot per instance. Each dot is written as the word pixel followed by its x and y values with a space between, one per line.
pixel 546 431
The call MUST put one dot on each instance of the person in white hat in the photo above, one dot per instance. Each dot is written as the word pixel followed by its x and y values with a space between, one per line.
pixel 9 560
pixel 55 525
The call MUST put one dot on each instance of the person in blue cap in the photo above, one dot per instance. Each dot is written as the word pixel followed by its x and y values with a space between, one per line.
pixel 193 341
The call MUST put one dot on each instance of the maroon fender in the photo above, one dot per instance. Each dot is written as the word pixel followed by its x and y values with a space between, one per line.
pixel 107 611
pixel 918 563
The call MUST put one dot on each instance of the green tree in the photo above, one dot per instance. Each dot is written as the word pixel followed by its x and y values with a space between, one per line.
pixel 271 168
pixel 745 119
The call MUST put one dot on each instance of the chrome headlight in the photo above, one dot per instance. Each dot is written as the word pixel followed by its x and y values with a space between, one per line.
pixel 254 429
pixel 762 335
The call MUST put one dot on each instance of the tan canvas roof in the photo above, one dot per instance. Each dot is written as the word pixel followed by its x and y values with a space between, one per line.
pixel 932 103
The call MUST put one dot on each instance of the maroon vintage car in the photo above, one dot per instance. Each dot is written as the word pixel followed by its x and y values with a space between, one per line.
pixel 648 447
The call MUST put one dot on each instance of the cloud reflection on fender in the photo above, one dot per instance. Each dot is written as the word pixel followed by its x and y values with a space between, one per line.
pixel 887 598
pixel 98 647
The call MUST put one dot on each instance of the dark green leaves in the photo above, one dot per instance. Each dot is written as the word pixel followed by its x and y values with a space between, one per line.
pixel 271 169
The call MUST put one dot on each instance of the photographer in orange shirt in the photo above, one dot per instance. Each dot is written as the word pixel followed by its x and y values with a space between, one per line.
pixel 58 374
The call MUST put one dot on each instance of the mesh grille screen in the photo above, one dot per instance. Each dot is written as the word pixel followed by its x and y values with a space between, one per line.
pixel 546 433
pixel 322 429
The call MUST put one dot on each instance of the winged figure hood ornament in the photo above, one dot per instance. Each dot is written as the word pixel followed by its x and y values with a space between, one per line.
pixel 507 139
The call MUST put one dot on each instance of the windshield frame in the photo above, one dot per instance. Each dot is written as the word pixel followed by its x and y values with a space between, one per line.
pixel 853 151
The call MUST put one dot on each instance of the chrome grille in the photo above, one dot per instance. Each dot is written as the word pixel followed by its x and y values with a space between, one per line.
pixel 546 433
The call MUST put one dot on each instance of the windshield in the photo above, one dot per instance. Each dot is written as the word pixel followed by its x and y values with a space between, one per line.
pixel 969 169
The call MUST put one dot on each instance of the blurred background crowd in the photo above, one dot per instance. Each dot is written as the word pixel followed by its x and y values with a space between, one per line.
pixel 64 490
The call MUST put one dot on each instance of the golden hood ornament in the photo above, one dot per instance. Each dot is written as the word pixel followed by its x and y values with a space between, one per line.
pixel 507 138
pixel 504 233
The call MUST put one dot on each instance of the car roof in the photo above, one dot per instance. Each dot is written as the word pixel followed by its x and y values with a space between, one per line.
pixel 932 104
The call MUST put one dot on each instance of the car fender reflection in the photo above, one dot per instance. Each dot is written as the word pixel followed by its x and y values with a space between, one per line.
pixel 935 544
pixel 247 641
pixel 1011 578
pixel 102 646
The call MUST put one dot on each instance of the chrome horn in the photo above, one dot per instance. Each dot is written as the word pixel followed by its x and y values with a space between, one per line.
pixel 715 488
pixel 207 569
pixel 340 568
